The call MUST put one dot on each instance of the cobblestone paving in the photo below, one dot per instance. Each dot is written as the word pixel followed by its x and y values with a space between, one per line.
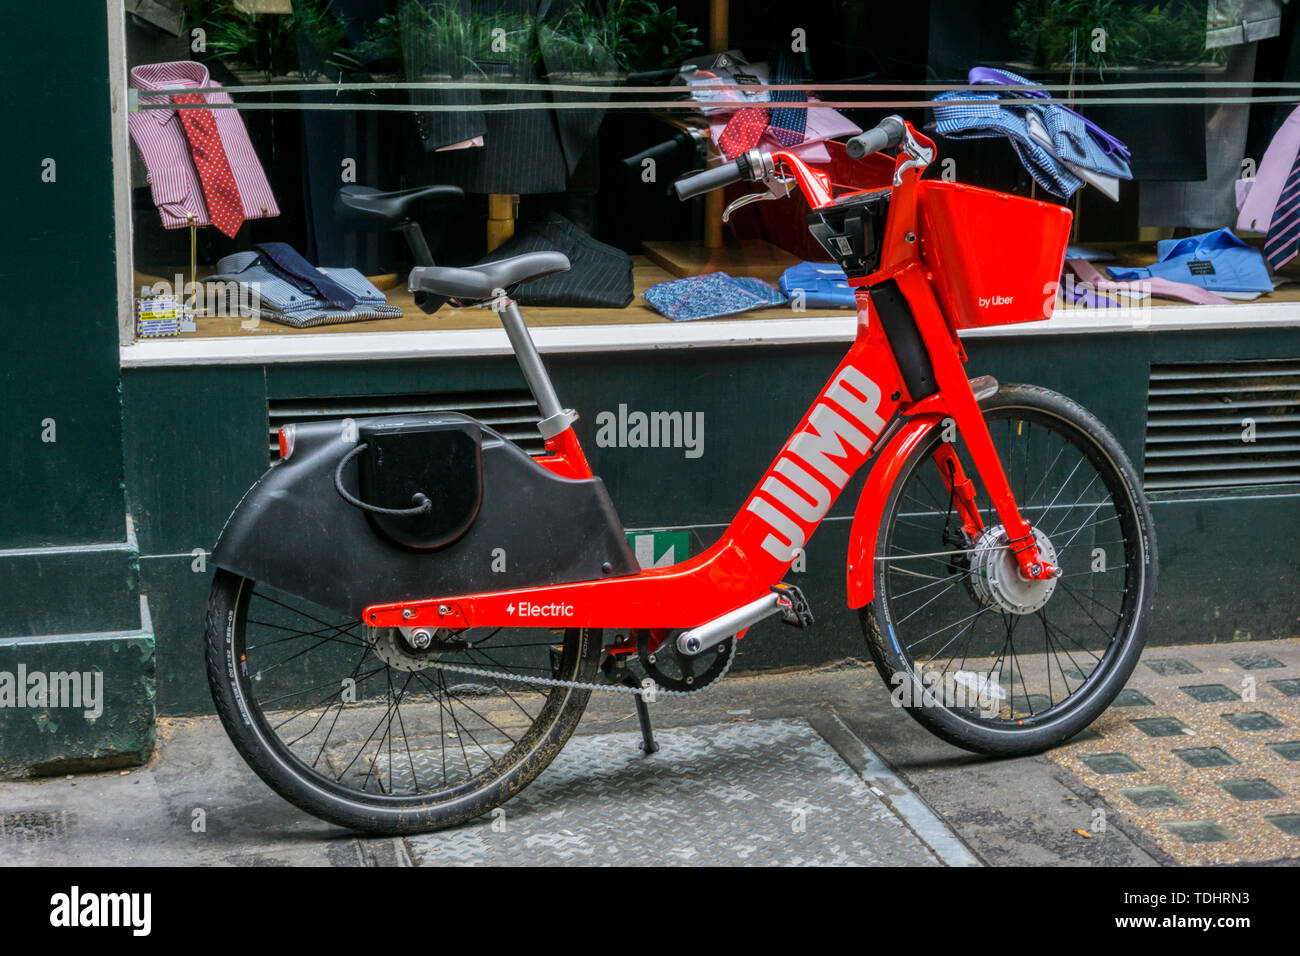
pixel 1202 751
pixel 765 792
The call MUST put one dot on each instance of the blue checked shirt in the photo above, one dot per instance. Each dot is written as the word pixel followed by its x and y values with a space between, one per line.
pixel 275 299
pixel 993 117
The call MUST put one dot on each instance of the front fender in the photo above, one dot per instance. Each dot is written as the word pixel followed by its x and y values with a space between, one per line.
pixel 871 505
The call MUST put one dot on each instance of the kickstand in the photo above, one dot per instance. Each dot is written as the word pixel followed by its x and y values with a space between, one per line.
pixel 648 744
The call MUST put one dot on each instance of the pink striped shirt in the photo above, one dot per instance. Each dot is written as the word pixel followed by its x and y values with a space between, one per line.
pixel 177 191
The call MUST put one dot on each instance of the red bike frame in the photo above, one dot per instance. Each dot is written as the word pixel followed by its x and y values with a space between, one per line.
pixel 832 441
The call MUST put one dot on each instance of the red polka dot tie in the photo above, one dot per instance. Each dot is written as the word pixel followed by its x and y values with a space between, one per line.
pixel 219 189
pixel 743 131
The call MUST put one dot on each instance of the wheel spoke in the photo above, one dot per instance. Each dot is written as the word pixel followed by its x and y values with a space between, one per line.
pixel 1060 480
pixel 343 705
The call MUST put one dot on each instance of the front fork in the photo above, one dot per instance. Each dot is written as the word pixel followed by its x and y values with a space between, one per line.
pixel 956 399
pixel 962 491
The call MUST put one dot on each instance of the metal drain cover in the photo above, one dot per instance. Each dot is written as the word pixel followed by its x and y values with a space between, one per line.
pixel 36 826
pixel 759 792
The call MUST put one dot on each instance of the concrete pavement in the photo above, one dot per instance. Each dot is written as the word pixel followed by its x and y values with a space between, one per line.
pixel 810 766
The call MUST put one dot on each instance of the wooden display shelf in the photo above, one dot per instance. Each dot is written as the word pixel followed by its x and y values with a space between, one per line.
pixel 756 258
pixel 644 274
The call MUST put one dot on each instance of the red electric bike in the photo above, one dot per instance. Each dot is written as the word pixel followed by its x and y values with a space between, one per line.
pixel 410 613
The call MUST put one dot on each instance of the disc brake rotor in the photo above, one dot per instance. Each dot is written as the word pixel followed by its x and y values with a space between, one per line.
pixel 395 647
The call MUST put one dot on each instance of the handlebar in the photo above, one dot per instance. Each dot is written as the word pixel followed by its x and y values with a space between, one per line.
pixel 889 132
pixel 697 184
pixel 682 144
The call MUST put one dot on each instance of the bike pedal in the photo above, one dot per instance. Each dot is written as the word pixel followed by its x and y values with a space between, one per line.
pixel 799 612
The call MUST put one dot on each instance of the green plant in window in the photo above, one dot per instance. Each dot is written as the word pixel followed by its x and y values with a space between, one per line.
pixel 1061 34
pixel 447 38
pixel 310 40
pixel 641 35
pixel 584 37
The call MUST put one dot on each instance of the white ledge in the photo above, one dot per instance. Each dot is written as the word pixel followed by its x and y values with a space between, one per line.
pixel 261 348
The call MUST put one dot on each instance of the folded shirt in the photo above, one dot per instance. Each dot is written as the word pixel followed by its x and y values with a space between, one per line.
pixel 710 295
pixel 991 116
pixel 1107 143
pixel 599 275
pixel 1216 260
pixel 822 285
pixel 1061 149
pixel 271 297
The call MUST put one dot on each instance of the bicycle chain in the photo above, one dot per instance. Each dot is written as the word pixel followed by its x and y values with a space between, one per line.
pixel 654 691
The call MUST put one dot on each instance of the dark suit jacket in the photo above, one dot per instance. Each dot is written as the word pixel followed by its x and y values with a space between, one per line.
pixel 524 151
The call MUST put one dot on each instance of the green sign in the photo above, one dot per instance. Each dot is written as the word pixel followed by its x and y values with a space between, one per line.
pixel 659 549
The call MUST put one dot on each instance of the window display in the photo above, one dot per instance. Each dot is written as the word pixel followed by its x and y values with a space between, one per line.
pixel 358 139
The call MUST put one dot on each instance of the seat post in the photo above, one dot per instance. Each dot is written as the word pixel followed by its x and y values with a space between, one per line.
pixel 415 241
pixel 555 418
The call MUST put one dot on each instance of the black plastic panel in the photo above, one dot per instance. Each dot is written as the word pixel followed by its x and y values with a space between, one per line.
pixel 436 455
pixel 904 339
pixel 292 531
pixel 851 230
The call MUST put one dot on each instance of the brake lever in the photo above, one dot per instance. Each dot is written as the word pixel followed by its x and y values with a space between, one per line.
pixel 918 156
pixel 778 187
pixel 763 171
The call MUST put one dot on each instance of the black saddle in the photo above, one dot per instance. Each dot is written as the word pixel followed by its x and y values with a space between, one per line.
pixel 367 209
pixel 364 207
pixel 434 285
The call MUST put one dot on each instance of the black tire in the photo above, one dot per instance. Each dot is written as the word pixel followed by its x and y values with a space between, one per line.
pixel 371 807
pixel 1009 725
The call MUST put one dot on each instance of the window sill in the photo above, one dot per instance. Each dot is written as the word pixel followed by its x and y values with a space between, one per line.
pixel 263 347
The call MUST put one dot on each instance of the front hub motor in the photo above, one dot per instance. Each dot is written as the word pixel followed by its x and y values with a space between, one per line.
pixel 995 578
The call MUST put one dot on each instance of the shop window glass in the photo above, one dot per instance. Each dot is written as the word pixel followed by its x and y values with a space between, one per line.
pixel 337 144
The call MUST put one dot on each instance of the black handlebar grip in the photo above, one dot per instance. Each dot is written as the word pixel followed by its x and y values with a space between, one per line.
pixel 887 133
pixel 653 76
pixel 663 152
pixel 688 187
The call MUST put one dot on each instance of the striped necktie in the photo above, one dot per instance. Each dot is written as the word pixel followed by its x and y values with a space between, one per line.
pixel 1283 240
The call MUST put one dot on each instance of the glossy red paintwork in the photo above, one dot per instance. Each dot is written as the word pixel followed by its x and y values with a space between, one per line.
pixel 564 456
pixel 752 554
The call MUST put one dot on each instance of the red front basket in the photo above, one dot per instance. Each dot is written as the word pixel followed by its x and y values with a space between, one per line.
pixel 996 258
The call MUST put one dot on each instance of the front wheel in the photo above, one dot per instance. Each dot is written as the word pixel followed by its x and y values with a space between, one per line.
pixel 980 657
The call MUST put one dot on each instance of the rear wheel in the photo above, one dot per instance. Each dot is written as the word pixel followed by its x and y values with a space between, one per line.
pixel 982 658
pixel 358 726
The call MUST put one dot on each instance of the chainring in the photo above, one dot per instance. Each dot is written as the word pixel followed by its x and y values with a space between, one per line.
pixel 672 670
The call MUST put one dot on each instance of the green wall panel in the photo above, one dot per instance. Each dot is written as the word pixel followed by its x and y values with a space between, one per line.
pixel 49 591
pixel 196 440
pixel 62 357
pixel 103 717
pixel 1229 567
pixel 178 596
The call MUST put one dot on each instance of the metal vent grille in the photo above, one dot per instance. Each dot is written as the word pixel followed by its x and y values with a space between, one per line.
pixel 1201 415
pixel 512 414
